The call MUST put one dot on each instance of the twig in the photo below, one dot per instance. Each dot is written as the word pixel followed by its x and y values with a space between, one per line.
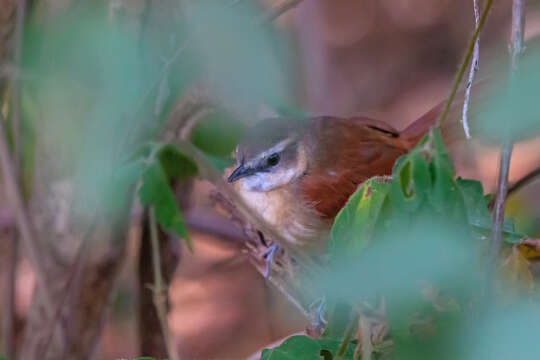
pixel 159 291
pixel 13 245
pixel 279 10
pixel 524 181
pixel 367 346
pixel 24 225
pixel 8 321
pixel 464 63
pixel 15 119
pixel 472 72
pixel 349 332
pixel 516 48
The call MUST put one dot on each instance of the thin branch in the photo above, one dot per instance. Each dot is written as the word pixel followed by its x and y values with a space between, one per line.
pixel 524 181
pixel 279 10
pixel 159 290
pixel 500 198
pixel 516 48
pixel 24 224
pixel 464 63
pixel 472 73
pixel 349 332
pixel 518 31
pixel 15 119
pixel 9 317
pixel 13 245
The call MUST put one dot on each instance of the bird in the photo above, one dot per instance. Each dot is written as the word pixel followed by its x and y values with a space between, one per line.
pixel 297 173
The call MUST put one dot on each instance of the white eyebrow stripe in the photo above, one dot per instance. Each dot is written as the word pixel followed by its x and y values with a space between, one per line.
pixel 276 148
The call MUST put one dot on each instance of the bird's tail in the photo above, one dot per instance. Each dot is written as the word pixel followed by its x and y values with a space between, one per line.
pixel 452 128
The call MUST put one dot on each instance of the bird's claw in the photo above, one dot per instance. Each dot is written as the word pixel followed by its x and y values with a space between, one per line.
pixel 269 255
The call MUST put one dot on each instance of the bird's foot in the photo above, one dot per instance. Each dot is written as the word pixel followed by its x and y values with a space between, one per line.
pixel 269 254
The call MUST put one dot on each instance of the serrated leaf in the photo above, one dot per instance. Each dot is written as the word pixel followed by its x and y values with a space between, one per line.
pixel 355 223
pixel 155 191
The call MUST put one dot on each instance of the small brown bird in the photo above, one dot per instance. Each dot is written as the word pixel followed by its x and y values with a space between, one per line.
pixel 298 174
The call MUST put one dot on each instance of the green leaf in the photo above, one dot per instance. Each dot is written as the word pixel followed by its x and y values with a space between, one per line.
pixel 339 315
pixel 217 134
pixel 511 111
pixel 444 193
pixel 299 347
pixel 355 223
pixel 332 345
pixel 155 191
pixel 175 164
pixel 478 213
pixel 411 182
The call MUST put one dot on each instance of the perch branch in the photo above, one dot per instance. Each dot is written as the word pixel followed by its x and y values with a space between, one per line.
pixel 464 63
pixel 472 73
pixel 159 290
pixel 516 48
pixel 24 224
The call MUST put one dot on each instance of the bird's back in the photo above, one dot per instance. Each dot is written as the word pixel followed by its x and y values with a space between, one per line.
pixel 342 154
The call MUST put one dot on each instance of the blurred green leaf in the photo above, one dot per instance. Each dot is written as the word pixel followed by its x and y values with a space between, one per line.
pixel 175 164
pixel 339 315
pixel 155 191
pixel 513 110
pixel 503 332
pixel 246 61
pixel 300 347
pixel 217 134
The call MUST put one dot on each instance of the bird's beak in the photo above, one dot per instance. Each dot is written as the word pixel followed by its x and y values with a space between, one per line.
pixel 240 172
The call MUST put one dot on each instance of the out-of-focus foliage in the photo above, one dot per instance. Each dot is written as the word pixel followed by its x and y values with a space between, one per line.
pixel 82 86
pixel 512 111
pixel 505 332
pixel 416 241
pixel 245 61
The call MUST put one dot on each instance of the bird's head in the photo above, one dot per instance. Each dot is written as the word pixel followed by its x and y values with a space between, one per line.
pixel 271 155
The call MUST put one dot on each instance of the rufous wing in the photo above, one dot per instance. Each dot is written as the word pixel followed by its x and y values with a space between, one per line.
pixel 348 152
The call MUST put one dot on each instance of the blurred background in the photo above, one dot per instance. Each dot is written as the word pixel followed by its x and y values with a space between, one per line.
pixel 90 80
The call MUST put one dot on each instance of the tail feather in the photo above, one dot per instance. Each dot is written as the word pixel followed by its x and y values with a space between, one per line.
pixel 452 129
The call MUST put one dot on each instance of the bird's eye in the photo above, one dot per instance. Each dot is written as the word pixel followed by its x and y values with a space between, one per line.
pixel 273 159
